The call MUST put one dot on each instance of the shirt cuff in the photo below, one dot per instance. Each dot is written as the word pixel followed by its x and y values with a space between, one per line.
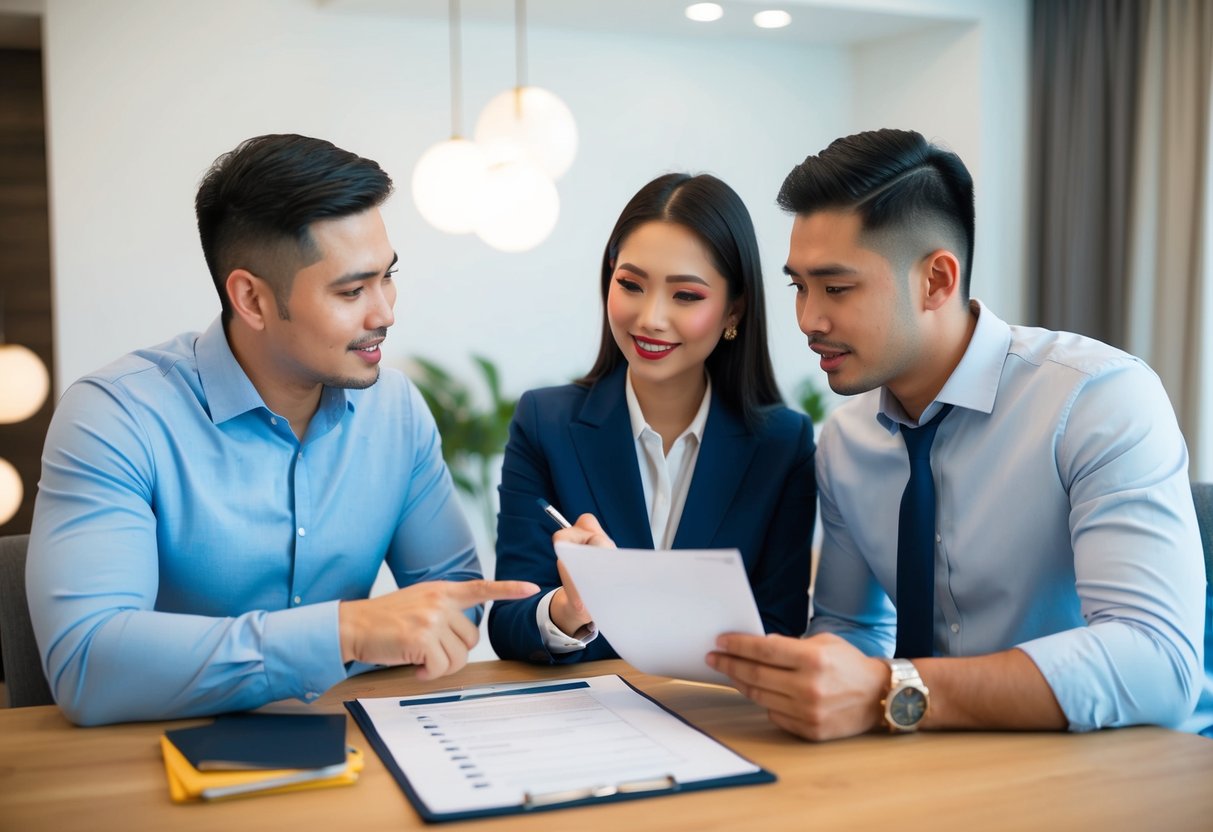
pixel 303 651
pixel 555 639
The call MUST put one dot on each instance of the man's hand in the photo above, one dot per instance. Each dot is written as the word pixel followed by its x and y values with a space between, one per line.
pixel 819 688
pixel 567 610
pixel 421 624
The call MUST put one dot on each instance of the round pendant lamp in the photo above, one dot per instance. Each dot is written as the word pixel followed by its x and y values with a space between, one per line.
pixel 529 123
pixel 449 176
pixel 530 138
pixel 519 207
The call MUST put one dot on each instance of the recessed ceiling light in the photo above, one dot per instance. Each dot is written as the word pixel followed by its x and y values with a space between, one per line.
pixel 773 19
pixel 704 12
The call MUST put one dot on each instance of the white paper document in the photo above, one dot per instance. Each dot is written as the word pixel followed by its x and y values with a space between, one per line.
pixel 491 749
pixel 663 609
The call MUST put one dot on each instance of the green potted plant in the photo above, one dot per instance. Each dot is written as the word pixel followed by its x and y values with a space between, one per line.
pixel 473 436
pixel 813 401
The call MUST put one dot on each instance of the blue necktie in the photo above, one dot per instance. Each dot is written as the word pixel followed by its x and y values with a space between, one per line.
pixel 916 546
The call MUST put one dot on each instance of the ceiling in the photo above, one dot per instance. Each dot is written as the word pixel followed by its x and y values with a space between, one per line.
pixel 813 21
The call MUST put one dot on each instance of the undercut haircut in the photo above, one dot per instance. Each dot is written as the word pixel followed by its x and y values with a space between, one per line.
pixel 909 194
pixel 256 203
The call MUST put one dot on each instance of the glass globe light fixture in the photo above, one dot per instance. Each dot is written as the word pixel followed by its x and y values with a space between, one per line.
pixel 529 123
pixel 446 183
pixel 24 383
pixel 518 207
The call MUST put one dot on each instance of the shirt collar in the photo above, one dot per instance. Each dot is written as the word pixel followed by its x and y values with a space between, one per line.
pixel 973 385
pixel 639 425
pixel 229 391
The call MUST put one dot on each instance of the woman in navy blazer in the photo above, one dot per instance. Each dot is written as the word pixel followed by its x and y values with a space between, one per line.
pixel 683 334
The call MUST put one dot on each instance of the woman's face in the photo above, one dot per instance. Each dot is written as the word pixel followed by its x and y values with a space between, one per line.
pixel 667 304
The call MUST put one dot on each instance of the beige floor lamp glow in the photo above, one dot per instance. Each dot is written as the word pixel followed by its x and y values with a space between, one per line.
pixel 24 385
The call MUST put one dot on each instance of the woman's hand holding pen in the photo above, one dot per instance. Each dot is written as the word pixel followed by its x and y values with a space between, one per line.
pixel 567 610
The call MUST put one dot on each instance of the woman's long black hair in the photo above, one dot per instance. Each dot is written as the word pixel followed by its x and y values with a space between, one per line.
pixel 740 369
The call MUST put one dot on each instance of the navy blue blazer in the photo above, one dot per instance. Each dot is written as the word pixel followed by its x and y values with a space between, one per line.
pixel 752 490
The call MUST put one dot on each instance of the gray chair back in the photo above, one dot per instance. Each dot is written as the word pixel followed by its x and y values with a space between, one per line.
pixel 23 676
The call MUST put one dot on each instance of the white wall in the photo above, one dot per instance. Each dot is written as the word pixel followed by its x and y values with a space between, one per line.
pixel 141 102
pixel 965 85
pixel 143 94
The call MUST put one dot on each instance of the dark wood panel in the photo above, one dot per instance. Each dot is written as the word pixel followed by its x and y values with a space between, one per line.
pixel 25 278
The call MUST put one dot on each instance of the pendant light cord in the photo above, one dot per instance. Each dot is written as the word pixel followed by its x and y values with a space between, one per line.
pixel 456 71
pixel 519 53
pixel 520 36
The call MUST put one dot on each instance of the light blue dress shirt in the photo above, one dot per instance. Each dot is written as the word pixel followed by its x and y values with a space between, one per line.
pixel 188 552
pixel 1065 525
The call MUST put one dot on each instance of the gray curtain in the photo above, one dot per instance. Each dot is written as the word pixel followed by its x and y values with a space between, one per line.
pixel 1169 248
pixel 1083 97
pixel 1120 136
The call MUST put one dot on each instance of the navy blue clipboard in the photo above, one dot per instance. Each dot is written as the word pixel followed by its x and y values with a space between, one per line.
pixel 546 802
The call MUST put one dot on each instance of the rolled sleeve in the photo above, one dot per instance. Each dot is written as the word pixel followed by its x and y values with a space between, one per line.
pixel 1139 574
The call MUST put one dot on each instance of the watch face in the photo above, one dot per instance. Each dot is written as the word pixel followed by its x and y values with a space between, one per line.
pixel 908 707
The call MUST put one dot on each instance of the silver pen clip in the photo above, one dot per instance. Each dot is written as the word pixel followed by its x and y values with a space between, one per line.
pixel 657 784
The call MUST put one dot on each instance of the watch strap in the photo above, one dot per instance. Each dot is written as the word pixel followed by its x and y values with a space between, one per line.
pixel 902 674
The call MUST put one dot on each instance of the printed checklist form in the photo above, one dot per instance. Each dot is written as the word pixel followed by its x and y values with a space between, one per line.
pixel 530 746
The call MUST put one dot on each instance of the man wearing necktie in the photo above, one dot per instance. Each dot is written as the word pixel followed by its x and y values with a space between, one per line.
pixel 1009 535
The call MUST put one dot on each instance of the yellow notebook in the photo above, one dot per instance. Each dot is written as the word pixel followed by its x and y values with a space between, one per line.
pixel 187 784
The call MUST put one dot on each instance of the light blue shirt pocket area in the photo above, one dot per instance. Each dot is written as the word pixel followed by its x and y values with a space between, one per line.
pixel 188 552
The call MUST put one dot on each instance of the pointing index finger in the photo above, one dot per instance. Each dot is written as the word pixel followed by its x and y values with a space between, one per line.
pixel 470 593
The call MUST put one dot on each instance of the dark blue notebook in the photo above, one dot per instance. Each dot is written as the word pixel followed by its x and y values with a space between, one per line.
pixel 263 741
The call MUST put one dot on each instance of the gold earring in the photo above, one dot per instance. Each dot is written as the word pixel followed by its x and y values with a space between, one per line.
pixel 730 333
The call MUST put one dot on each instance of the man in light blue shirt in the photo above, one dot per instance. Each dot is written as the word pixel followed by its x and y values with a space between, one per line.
pixel 214 510
pixel 1068 580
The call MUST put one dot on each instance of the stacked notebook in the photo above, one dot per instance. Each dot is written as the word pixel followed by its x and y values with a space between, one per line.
pixel 240 755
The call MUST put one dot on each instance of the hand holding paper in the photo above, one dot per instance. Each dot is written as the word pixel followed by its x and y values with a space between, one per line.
pixel 663 609
pixel 568 610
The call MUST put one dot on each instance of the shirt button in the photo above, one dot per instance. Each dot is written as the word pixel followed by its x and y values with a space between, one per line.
pixel 938 537
pixel 273 421
pixel 302 532
pixel 955 627
pixel 298 599
pixel 311 694
pixel 301 454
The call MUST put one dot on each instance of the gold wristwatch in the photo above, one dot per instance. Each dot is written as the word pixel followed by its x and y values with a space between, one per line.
pixel 908 699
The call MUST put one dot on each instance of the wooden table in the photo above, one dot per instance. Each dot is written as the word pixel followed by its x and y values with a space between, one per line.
pixel 54 776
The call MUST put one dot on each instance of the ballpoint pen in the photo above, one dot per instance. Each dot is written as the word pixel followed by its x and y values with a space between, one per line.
pixel 553 513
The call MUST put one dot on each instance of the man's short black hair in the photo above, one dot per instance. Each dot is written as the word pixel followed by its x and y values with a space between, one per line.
pixel 897 182
pixel 256 203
